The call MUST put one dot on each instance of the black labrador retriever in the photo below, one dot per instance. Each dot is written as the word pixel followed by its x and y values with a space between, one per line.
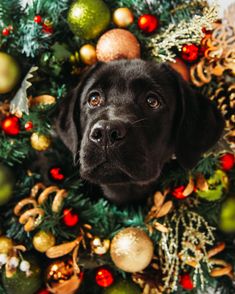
pixel 127 118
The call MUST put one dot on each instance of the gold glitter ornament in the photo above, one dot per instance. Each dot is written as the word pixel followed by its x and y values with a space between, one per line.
pixel 42 241
pixel 123 17
pixel 6 244
pixel 40 142
pixel 131 250
pixel 88 18
pixel 117 44
pixel 88 54
pixel 9 73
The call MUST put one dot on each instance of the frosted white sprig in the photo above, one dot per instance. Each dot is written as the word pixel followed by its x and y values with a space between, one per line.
pixel 175 36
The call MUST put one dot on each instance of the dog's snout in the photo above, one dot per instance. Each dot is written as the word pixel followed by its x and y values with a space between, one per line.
pixel 108 133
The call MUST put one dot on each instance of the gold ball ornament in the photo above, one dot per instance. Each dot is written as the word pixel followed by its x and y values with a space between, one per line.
pixel 99 246
pixel 40 142
pixel 6 244
pixel 131 250
pixel 88 18
pixel 88 54
pixel 123 17
pixel 117 44
pixel 43 240
pixel 61 277
pixel 9 73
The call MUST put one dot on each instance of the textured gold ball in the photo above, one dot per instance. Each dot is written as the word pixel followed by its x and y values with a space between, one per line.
pixel 131 250
pixel 40 142
pixel 117 44
pixel 123 17
pixel 9 73
pixel 43 240
pixel 88 18
pixel 6 244
pixel 88 54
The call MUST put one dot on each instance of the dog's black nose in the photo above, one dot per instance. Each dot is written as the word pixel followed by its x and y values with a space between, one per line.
pixel 108 133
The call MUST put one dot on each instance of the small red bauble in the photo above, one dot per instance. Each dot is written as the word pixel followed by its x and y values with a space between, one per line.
pixel 28 126
pixel 37 19
pixel 227 161
pixel 11 125
pixel 148 23
pixel 47 29
pixel 70 219
pixel 186 282
pixel 190 52
pixel 43 291
pixel 178 192
pixel 6 32
pixel 56 174
pixel 104 278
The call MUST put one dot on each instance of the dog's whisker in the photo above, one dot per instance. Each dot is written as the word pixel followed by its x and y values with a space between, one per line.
pixel 139 120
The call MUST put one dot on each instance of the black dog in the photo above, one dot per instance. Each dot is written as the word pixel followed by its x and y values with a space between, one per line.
pixel 126 119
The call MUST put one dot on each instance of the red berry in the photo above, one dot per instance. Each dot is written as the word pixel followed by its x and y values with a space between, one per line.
pixel 190 52
pixel 28 126
pixel 70 219
pixel 38 19
pixel 178 192
pixel 56 174
pixel 11 125
pixel 227 161
pixel 148 23
pixel 6 32
pixel 186 282
pixel 104 277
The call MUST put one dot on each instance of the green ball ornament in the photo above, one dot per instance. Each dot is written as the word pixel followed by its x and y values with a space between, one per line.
pixel 87 19
pixel 217 184
pixel 20 282
pixel 6 184
pixel 227 216
pixel 123 287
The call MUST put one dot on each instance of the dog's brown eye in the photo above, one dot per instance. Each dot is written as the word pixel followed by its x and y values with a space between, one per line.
pixel 95 99
pixel 153 102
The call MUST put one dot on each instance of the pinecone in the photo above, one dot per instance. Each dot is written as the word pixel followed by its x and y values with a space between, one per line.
pixel 224 96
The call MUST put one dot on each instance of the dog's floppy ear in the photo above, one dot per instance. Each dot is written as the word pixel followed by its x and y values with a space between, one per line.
pixel 200 125
pixel 67 120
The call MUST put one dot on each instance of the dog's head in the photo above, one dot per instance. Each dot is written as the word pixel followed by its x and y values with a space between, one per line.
pixel 125 119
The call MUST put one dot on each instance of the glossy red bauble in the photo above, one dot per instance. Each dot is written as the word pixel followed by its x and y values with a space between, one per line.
pixel 28 126
pixel 6 32
pixel 227 161
pixel 11 125
pixel 148 23
pixel 70 219
pixel 190 52
pixel 178 192
pixel 37 19
pixel 104 277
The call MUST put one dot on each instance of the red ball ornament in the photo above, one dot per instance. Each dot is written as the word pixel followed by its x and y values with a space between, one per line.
pixel 28 126
pixel 47 29
pixel 70 219
pixel 37 19
pixel 148 23
pixel 186 282
pixel 56 174
pixel 6 32
pixel 11 125
pixel 178 192
pixel 190 52
pixel 104 278
pixel 227 161
pixel 43 291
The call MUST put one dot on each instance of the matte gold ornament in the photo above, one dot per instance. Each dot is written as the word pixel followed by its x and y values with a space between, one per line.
pixel 123 17
pixel 6 244
pixel 42 241
pixel 131 250
pixel 40 142
pixel 88 18
pixel 9 73
pixel 117 44
pixel 88 54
